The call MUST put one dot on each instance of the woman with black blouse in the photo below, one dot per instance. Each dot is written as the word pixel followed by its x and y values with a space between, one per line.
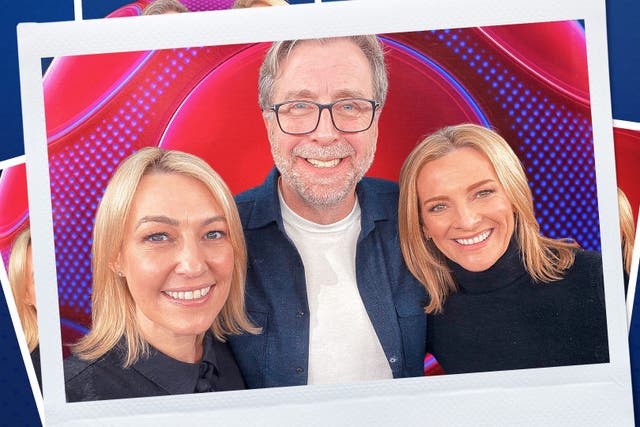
pixel 24 294
pixel 168 261
pixel 502 296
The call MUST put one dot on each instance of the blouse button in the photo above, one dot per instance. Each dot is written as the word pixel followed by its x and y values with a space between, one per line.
pixel 393 359
pixel 300 314
pixel 299 370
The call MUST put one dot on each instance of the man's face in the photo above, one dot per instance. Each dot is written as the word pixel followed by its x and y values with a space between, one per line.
pixel 321 169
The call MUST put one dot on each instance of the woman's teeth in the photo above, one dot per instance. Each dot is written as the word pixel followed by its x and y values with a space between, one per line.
pixel 479 238
pixel 188 295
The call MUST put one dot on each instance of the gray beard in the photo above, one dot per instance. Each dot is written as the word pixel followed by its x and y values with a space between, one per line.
pixel 330 192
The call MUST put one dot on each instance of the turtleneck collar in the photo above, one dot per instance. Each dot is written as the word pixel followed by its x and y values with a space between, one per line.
pixel 505 271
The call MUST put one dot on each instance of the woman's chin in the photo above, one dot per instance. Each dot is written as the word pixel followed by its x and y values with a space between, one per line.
pixel 476 265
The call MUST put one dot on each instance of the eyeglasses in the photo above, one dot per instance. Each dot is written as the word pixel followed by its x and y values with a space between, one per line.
pixel 349 115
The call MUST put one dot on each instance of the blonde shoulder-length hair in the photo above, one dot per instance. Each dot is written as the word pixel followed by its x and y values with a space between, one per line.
pixel 243 4
pixel 627 229
pixel 545 259
pixel 18 280
pixel 113 308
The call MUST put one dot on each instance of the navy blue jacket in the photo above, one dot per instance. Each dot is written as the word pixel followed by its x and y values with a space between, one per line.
pixel 276 295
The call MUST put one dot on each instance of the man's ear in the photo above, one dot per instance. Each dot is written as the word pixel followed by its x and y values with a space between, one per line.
pixel 268 117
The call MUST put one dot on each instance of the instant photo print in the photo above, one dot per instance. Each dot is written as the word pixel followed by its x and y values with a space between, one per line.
pixel 534 71
pixel 14 216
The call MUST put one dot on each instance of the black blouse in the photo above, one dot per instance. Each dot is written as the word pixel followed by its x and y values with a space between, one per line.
pixel 501 319
pixel 157 375
pixel 35 359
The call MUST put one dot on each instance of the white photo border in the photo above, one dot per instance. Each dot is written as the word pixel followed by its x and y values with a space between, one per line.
pixel 13 312
pixel 581 395
pixel 633 274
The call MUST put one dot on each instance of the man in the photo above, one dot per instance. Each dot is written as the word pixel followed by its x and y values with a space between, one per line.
pixel 326 280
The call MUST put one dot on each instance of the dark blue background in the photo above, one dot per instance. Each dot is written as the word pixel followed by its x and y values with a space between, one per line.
pixel 17 406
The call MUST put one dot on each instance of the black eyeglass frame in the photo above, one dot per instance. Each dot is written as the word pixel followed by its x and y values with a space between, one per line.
pixel 374 106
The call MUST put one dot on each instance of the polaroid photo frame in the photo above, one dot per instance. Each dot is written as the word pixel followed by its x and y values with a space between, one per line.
pixel 627 135
pixel 592 394
pixel 633 285
pixel 6 166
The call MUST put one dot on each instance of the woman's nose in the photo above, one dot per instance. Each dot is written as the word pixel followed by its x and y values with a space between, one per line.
pixel 191 260
pixel 467 217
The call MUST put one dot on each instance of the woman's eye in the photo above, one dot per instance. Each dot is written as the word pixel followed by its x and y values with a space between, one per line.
pixel 213 235
pixel 437 208
pixel 484 193
pixel 157 237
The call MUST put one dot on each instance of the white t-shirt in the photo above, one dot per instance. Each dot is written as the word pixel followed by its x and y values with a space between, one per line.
pixel 343 346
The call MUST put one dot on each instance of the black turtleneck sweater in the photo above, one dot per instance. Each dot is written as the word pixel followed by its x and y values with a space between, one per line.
pixel 500 319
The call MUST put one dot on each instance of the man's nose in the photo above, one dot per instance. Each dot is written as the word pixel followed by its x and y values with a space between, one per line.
pixel 326 132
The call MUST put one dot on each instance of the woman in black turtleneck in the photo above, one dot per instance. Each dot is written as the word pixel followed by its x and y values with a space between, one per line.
pixel 502 296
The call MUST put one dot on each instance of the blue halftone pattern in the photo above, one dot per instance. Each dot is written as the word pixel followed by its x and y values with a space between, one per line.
pixel 554 142
pixel 82 169
pixel 202 5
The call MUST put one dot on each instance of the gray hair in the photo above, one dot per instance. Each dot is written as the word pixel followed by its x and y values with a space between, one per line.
pixel 279 50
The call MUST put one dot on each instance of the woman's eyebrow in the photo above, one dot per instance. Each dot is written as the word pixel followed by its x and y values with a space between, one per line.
pixel 157 218
pixel 480 184
pixel 218 218
pixel 469 188
pixel 174 222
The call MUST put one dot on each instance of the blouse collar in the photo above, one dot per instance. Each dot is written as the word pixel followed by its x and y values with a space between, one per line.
pixel 178 377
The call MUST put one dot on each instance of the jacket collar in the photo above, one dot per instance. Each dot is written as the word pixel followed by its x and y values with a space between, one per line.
pixel 266 207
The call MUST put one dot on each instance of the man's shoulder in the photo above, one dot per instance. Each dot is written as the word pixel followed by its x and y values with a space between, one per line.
pixel 246 203
pixel 265 192
pixel 378 195
pixel 379 185
pixel 248 197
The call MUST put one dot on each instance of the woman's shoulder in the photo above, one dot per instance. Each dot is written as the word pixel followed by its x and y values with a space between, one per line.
pixel 80 375
pixel 587 262
pixel 585 275
pixel 75 367
pixel 78 378
pixel 588 257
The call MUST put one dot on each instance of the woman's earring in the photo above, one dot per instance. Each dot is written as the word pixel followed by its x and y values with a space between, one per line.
pixel 120 274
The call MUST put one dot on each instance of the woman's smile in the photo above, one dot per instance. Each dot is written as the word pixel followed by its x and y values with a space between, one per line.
pixel 465 210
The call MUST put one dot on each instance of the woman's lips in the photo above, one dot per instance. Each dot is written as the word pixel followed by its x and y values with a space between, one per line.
pixel 189 295
pixel 475 239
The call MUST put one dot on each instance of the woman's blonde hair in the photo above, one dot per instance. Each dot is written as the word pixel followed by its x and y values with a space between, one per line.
pixel 243 4
pixel 627 230
pixel 113 308
pixel 161 7
pixel 545 259
pixel 18 280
